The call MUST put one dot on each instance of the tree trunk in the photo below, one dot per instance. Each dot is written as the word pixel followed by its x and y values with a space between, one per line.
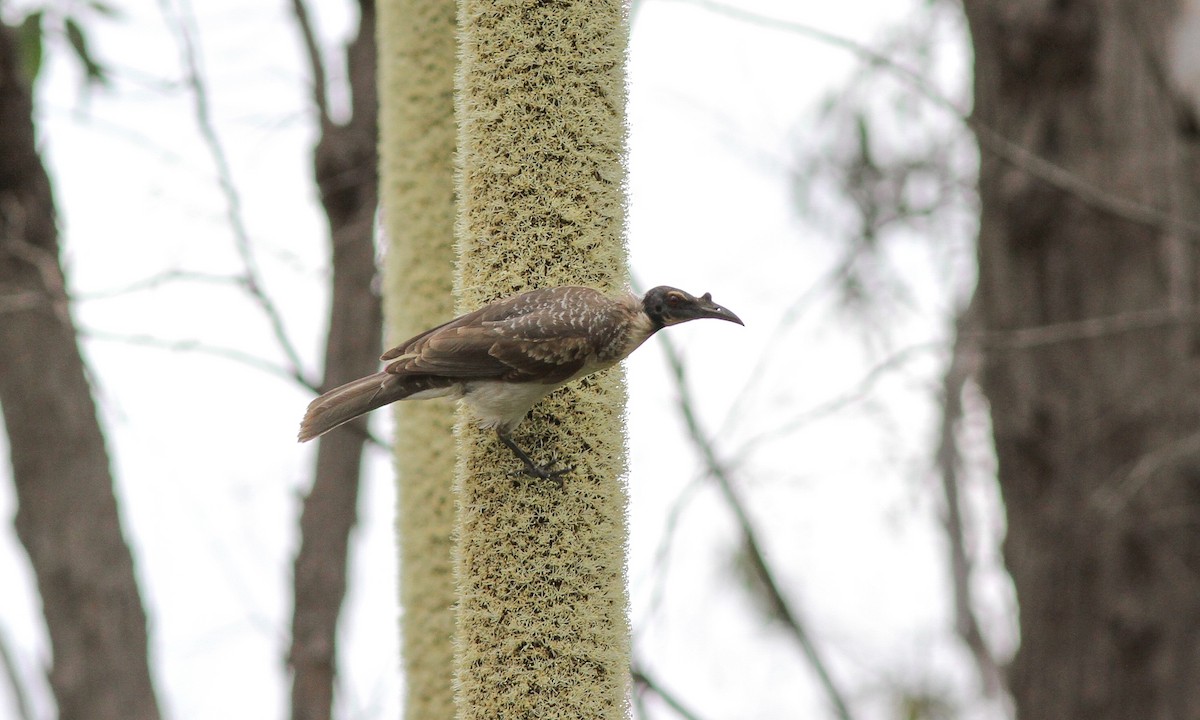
pixel 1096 420
pixel 418 53
pixel 67 515
pixel 345 166
pixel 542 626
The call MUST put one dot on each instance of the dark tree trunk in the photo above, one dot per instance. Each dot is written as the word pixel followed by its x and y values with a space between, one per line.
pixel 67 514
pixel 1096 417
pixel 346 172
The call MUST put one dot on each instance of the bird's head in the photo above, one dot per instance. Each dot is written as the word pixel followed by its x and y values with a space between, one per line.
pixel 670 306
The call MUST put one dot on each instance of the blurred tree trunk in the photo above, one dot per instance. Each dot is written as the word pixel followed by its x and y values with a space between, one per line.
pixel 345 168
pixel 67 516
pixel 418 54
pixel 1095 415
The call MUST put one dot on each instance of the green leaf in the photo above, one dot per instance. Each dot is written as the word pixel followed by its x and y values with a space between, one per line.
pixel 96 74
pixel 29 44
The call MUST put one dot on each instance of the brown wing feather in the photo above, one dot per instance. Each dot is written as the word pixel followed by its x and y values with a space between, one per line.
pixel 459 352
pixel 527 338
pixel 545 361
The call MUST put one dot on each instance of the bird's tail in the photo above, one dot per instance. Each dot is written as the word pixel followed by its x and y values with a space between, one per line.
pixel 343 404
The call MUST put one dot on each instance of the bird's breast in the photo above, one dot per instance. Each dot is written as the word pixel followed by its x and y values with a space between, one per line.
pixel 503 405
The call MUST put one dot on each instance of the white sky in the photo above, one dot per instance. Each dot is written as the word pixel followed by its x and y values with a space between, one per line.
pixel 209 474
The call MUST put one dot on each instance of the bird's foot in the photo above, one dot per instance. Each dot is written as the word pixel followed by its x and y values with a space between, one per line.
pixel 545 472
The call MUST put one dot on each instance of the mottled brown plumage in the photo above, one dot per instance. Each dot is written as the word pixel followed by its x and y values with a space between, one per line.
pixel 504 357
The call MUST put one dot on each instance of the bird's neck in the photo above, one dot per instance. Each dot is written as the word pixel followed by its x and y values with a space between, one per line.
pixel 641 327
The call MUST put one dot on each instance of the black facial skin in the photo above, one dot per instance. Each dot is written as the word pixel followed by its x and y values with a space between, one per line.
pixel 666 305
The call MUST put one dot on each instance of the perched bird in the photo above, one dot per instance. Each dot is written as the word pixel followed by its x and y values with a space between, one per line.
pixel 506 356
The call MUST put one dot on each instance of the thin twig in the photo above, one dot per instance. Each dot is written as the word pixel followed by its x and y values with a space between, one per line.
pixel 964 365
pixel 721 474
pixel 989 138
pixel 13 674
pixel 19 301
pixel 662 554
pixel 791 315
pixel 183 24
pixel 1113 497
pixel 48 270
pixel 227 353
pixel 638 700
pixel 189 345
pixel 315 64
pixel 644 681
pixel 834 405
pixel 156 281
pixel 1089 328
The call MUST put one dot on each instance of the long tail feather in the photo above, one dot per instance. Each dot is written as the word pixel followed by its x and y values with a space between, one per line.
pixel 343 404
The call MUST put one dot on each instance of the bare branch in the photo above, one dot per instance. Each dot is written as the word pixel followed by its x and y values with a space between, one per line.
pixel 239 356
pixel 721 474
pixel 18 301
pixel 156 281
pixel 182 23
pixel 662 553
pixel 643 681
pixel 189 345
pixel 1090 328
pixel 963 366
pixel 46 265
pixel 1113 498
pixel 315 64
pixel 791 315
pixel 989 139
pixel 13 674
pixel 864 387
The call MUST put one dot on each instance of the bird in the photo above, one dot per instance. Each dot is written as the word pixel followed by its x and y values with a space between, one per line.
pixel 506 356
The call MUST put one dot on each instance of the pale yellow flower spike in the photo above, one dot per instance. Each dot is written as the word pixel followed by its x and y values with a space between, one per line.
pixel 542 626
pixel 418 54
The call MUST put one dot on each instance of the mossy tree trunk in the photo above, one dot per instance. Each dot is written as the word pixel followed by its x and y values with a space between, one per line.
pixel 542 628
pixel 417 60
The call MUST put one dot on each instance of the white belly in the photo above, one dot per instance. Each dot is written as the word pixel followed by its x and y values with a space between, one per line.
pixel 503 405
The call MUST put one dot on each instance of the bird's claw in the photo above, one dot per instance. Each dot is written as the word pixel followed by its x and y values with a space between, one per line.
pixel 544 472
pixel 531 468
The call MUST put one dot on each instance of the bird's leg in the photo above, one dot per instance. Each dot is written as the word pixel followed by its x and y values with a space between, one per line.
pixel 532 468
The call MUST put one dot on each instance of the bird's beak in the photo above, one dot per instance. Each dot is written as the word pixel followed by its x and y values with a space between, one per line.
pixel 706 308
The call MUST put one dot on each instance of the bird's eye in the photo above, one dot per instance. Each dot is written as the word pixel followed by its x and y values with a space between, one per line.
pixel 674 299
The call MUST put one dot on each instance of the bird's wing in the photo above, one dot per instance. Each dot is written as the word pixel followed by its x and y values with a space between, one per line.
pixel 489 352
pixel 524 339
pixel 544 361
